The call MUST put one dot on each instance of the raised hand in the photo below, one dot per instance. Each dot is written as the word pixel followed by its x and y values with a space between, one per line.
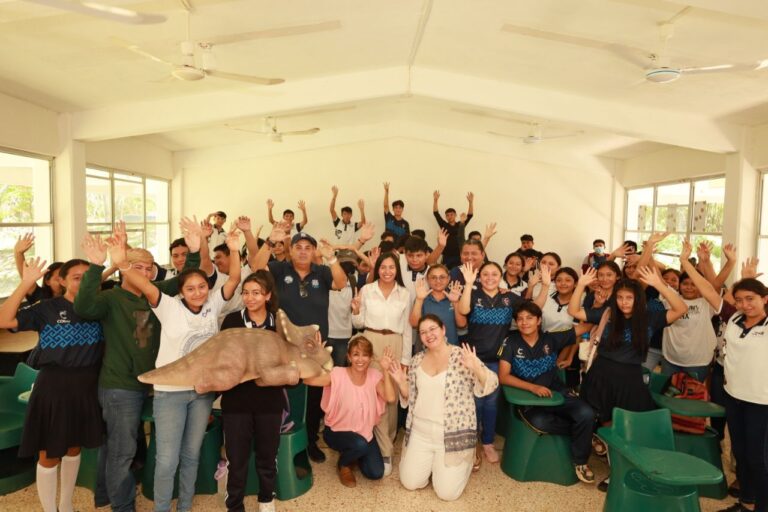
pixel 366 231
pixel 118 251
pixel 270 204
pixel 33 270
pixel 651 277
pixel 325 249
pixel 243 223
pixel 397 374
pixel 278 233
pixel 361 204
pixel 422 289
pixel 454 291
pixel 436 195
pixel 373 255
pixel 302 205
pixel 233 239
pixel 463 217
pixel 534 278
pixel 206 228
pixel 749 269
pixel 387 359
pixel 442 237
pixel 704 251
pixel 192 231
pixel 490 230
pixel 546 276
pixel 469 273
pixel 119 231
pixel 729 250
pixel 357 302
pixel 95 249
pixel 588 277
pixel 469 358
pixel 470 197
pixel 24 242
pixel 685 252
pixel 386 186
pixel 335 190
pixel 621 252
pixel 655 238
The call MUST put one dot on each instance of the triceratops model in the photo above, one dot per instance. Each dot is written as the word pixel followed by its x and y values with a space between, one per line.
pixel 238 355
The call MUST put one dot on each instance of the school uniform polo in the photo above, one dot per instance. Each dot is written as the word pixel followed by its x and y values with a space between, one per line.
pixel 746 353
pixel 398 227
pixel 345 233
pixel 65 339
pixel 538 363
pixel 625 353
pixel 489 320
pixel 444 310
pixel 305 301
pixel 554 316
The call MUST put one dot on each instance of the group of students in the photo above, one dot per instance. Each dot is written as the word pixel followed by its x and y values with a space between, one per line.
pixel 403 327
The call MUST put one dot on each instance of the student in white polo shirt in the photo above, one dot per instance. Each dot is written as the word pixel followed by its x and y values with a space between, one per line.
pixel 746 355
pixel 344 229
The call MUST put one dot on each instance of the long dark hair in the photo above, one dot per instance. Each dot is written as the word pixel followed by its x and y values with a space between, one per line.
pixel 750 284
pixel 267 283
pixel 638 317
pixel 396 259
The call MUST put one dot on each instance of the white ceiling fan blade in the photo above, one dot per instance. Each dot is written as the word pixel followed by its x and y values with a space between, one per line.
pixel 718 69
pixel 565 136
pixel 107 12
pixel 138 51
pixel 509 136
pixel 276 32
pixel 258 132
pixel 245 78
pixel 310 131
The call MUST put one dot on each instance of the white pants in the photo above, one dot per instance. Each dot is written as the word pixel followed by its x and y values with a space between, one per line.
pixel 425 456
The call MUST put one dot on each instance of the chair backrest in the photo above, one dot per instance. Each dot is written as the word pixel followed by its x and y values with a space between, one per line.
pixel 22 380
pixel 658 382
pixel 297 398
pixel 652 429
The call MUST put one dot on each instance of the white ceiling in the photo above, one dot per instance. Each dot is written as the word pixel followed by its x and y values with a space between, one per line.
pixel 395 67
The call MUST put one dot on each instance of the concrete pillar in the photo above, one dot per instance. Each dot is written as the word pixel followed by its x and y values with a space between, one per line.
pixel 69 212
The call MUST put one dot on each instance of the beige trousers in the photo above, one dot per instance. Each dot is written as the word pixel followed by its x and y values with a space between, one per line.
pixel 386 430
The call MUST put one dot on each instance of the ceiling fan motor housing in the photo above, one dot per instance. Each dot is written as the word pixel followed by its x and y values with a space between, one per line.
pixel 662 75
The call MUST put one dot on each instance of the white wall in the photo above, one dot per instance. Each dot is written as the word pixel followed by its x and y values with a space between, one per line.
pixel 669 165
pixel 28 127
pixel 131 155
pixel 564 208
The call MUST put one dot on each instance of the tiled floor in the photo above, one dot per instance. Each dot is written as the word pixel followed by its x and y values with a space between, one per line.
pixel 489 489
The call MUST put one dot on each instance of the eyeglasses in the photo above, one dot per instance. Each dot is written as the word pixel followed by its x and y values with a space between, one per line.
pixel 438 278
pixel 303 291
pixel 432 329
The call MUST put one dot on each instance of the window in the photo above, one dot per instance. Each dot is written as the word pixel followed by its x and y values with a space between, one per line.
pixel 25 207
pixel 143 203
pixel 692 209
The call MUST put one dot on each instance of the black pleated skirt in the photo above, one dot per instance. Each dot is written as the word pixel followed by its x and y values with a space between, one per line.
pixel 63 412
pixel 609 384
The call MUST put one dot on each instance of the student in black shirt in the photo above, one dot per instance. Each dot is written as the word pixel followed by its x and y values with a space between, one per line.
pixel 63 414
pixel 253 414
pixel 529 361
pixel 394 221
pixel 616 378
pixel 454 227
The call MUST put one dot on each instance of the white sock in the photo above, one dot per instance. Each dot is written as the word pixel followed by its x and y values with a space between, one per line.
pixel 69 468
pixel 46 487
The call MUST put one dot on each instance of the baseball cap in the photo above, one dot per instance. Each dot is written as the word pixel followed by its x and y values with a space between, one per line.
pixel 298 237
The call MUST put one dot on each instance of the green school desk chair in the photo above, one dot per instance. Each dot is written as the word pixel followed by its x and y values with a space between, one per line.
pixel 15 473
pixel 531 455
pixel 210 453
pixel 646 471
pixel 705 446
pixel 502 418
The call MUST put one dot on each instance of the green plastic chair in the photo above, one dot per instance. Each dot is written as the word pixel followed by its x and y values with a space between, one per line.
pixel 646 471
pixel 210 454
pixel 530 455
pixel 15 473
pixel 705 446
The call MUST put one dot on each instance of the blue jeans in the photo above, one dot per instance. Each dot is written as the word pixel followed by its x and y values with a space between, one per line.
pixel 121 410
pixel 697 372
pixel 181 418
pixel 353 447
pixel 487 407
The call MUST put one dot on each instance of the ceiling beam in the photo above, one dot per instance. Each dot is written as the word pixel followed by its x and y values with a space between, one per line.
pixel 754 9
pixel 183 112
pixel 640 122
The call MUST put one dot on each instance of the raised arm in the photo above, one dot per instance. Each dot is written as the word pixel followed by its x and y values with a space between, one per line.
pixel 259 260
pixel 422 291
pixel 490 231
pixel 233 277
pixel 705 287
pixel 89 303
pixel 546 279
pixel 270 206
pixel 192 231
pixel 364 235
pixel 119 256
pixel 652 277
pixel 361 206
pixel 435 199
pixel 646 258
pixel 332 209
pixel 386 197
pixel 339 277
pixel 23 244
pixel 729 250
pixel 574 306
pixel 30 273
pixel 703 254
pixel 442 239
pixel 470 206
pixel 243 223
pixel 303 207
pixel 470 274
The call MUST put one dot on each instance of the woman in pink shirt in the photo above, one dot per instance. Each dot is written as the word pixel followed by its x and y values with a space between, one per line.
pixel 353 401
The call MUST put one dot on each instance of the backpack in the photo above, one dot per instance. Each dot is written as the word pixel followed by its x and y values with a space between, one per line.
pixel 685 387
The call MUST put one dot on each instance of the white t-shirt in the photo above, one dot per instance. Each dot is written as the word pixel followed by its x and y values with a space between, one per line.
pixel 183 331
pixel 340 313
pixel 691 340
pixel 345 233
pixel 746 353
pixel 236 302
pixel 555 316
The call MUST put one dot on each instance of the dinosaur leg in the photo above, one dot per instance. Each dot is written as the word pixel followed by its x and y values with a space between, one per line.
pixel 278 376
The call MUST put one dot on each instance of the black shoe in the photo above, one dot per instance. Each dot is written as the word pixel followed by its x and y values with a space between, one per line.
pixel 736 507
pixel 603 485
pixel 734 490
pixel 315 453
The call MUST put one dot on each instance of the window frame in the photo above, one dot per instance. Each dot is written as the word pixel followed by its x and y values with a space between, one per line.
pixel 143 180
pixel 689 233
pixel 763 175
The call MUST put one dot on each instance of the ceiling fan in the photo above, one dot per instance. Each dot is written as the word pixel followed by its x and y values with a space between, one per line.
pixel 656 65
pixel 536 135
pixel 269 128
pixel 107 12
pixel 199 51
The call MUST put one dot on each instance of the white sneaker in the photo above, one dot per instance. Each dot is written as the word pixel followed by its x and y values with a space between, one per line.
pixel 267 507
pixel 387 466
